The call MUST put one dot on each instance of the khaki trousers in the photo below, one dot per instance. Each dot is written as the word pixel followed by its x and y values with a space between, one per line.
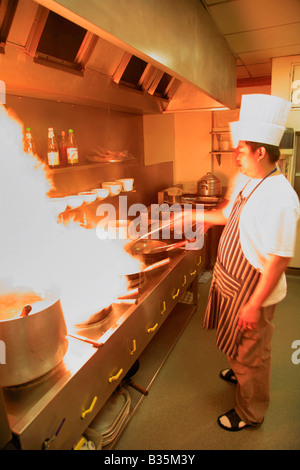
pixel 252 368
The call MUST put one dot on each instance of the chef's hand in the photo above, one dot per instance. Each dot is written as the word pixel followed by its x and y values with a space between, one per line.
pixel 249 317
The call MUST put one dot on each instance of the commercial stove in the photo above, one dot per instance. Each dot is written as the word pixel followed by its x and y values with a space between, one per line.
pixel 207 202
pixel 53 411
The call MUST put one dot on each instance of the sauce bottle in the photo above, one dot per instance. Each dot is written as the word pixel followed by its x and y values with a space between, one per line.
pixel 63 149
pixel 72 149
pixel 28 143
pixel 52 154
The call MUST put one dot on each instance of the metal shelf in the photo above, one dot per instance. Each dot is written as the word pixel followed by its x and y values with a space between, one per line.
pixel 228 152
pixel 216 140
pixel 221 131
pixel 87 166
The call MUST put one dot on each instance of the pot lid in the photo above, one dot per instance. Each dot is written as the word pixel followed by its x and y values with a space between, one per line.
pixel 210 177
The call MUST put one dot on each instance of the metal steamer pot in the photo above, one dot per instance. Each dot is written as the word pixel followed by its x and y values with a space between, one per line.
pixel 209 185
pixel 34 344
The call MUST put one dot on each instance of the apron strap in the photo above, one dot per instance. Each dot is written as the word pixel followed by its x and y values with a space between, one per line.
pixel 269 174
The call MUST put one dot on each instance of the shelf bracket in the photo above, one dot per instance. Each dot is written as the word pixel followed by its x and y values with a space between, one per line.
pixel 218 158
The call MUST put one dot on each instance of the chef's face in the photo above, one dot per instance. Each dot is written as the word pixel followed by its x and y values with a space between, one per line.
pixel 246 160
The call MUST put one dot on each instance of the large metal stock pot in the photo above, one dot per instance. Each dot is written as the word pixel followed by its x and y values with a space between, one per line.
pixel 209 185
pixel 34 344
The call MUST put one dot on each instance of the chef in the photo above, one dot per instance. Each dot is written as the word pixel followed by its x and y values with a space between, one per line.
pixel 254 251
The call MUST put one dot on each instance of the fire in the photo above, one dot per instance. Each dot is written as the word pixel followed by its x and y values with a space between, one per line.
pixel 40 255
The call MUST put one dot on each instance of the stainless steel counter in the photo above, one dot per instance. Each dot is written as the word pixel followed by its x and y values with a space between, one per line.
pixel 54 411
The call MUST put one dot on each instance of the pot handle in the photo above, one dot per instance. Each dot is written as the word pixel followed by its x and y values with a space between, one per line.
pixel 26 311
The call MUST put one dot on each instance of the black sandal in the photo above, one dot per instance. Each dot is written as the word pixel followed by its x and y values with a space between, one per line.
pixel 234 421
pixel 228 375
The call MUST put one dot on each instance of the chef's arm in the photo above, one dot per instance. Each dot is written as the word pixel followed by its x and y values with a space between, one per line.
pixel 215 217
pixel 268 280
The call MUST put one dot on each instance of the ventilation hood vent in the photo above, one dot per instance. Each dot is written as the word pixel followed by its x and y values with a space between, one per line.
pixel 7 12
pixel 138 74
pixel 105 70
pixel 57 42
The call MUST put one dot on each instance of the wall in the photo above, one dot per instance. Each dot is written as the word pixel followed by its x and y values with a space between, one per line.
pixel 174 146
pixel 181 138
pixel 159 138
pixel 184 138
pixel 281 86
pixel 264 89
pixel 94 127
pixel 192 147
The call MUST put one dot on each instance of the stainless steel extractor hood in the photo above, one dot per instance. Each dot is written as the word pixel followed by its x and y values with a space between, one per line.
pixel 96 62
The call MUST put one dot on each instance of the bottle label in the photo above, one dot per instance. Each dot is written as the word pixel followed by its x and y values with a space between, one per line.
pixel 53 159
pixel 72 155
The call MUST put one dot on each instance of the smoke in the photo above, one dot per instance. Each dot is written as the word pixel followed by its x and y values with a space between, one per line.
pixel 39 254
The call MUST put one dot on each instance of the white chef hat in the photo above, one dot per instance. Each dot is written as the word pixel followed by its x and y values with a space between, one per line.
pixel 262 119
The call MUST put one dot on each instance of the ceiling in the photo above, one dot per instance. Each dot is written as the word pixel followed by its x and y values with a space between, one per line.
pixel 256 31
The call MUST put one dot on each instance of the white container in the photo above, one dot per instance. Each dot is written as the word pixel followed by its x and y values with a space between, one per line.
pixel 113 187
pixel 58 204
pixel 89 196
pixel 75 201
pixel 101 192
pixel 127 183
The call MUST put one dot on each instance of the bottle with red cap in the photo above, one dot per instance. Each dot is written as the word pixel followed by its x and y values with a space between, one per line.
pixel 63 157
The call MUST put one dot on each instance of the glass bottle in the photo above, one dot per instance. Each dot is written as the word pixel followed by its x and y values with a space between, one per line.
pixel 72 150
pixel 63 149
pixel 52 154
pixel 28 143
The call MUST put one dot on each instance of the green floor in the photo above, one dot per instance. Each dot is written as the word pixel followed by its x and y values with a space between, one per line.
pixel 187 396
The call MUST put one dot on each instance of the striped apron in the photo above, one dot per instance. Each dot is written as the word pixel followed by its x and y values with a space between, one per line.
pixel 234 280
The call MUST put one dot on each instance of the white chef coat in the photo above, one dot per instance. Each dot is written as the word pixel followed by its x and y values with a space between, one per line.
pixel 267 223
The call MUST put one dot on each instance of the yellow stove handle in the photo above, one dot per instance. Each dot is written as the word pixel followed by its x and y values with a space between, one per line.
pixel 133 347
pixel 90 409
pixel 115 377
pixel 150 330
pixel 176 294
pixel 164 307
